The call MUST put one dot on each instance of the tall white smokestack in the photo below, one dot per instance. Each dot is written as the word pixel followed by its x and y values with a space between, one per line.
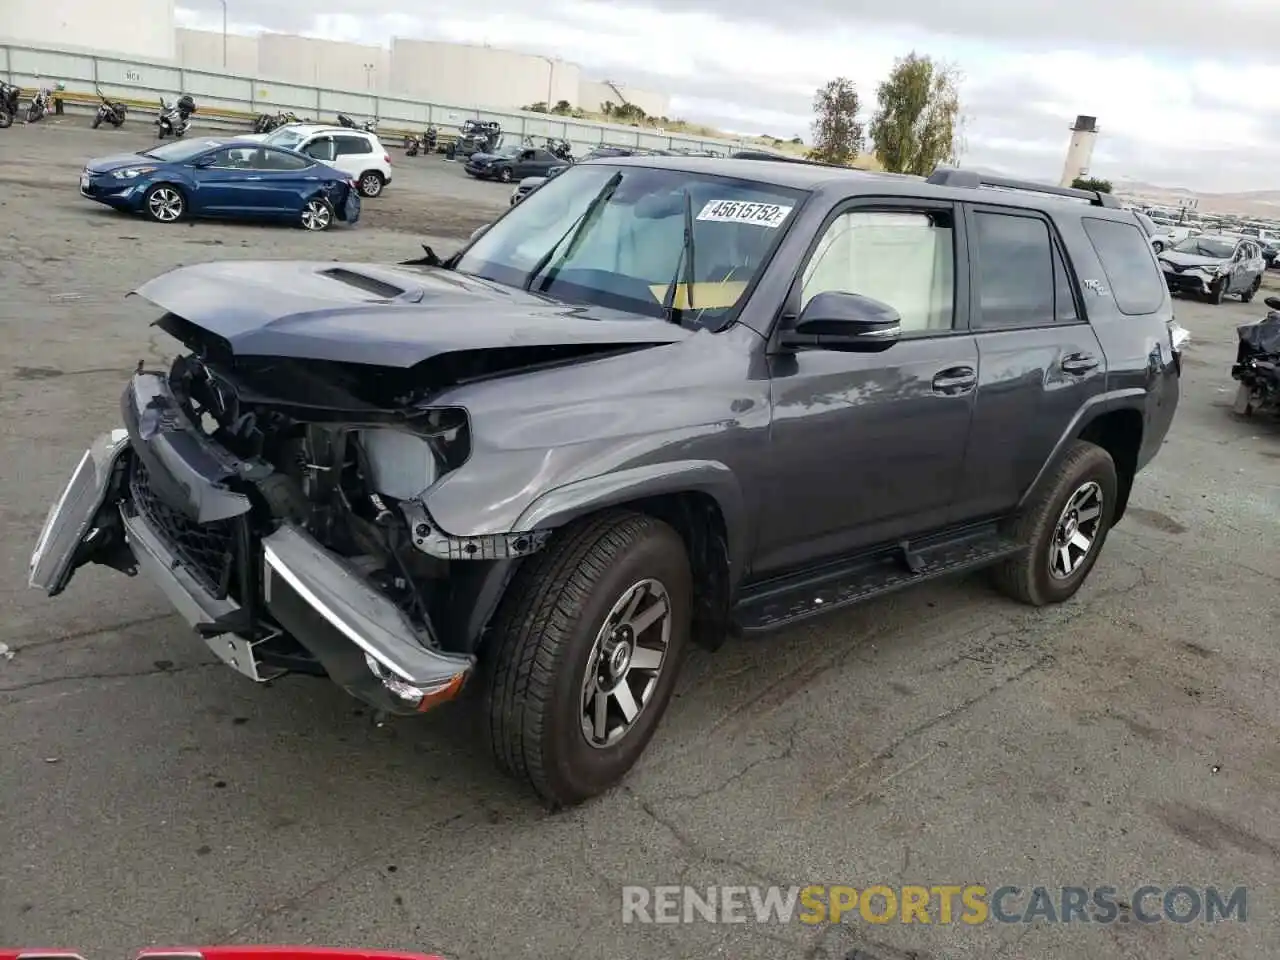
pixel 1083 134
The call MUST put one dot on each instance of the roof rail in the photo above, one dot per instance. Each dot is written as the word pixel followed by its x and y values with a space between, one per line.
pixel 972 180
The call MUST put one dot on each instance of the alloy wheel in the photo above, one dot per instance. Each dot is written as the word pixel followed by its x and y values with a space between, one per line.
pixel 1076 531
pixel 317 215
pixel 165 204
pixel 372 185
pixel 626 661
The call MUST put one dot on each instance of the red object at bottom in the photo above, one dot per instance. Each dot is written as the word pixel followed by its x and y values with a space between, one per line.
pixel 227 953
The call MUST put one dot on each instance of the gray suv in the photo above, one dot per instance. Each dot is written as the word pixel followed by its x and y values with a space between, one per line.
pixel 659 401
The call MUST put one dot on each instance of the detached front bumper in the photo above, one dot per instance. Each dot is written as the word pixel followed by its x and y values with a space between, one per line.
pixel 156 498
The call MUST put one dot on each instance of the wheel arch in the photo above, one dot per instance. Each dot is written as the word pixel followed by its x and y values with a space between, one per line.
pixel 700 499
pixel 1114 422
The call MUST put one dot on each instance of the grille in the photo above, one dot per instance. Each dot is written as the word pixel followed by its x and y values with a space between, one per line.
pixel 205 550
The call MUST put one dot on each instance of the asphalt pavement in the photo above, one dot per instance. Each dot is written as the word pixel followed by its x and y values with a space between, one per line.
pixel 149 795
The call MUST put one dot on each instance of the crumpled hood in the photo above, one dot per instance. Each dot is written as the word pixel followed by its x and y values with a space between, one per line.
pixel 1185 260
pixel 391 316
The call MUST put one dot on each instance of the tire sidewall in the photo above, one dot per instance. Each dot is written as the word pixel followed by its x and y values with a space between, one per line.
pixel 574 766
pixel 332 215
pixel 1099 468
pixel 505 175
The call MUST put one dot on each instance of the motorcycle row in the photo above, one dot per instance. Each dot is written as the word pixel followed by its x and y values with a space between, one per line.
pixel 476 136
pixel 173 119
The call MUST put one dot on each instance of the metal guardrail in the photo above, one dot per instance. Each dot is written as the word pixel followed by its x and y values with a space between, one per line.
pixel 232 96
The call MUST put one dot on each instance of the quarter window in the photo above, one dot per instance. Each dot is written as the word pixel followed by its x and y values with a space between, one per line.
pixel 1125 255
pixel 905 259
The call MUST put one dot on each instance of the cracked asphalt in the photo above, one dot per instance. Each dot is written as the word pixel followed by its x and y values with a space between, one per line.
pixel 150 796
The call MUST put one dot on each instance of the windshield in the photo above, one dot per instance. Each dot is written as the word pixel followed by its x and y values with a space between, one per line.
pixel 615 237
pixel 180 151
pixel 285 138
pixel 1207 247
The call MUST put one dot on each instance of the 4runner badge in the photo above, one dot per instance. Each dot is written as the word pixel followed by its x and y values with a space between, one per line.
pixel 1096 286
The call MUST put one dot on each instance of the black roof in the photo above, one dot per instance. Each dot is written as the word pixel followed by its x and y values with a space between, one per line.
pixel 811 176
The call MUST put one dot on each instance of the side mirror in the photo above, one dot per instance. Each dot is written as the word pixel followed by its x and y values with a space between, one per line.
pixel 1272 302
pixel 201 162
pixel 845 321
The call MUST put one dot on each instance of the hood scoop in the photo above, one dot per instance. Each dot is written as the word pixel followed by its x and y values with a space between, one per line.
pixel 382 290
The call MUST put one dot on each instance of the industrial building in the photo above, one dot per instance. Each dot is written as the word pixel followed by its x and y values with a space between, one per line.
pixel 434 72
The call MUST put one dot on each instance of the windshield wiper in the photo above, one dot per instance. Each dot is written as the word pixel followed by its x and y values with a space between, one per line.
pixel 577 228
pixel 685 259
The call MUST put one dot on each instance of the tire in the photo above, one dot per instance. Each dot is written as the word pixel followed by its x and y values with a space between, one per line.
pixel 1248 295
pixel 1157 246
pixel 6 119
pixel 32 114
pixel 317 215
pixel 548 648
pixel 165 203
pixel 1218 292
pixel 1085 479
pixel 97 122
pixel 371 183
pixel 505 175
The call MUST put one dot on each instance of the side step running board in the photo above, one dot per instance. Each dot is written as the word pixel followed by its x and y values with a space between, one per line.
pixel 778 603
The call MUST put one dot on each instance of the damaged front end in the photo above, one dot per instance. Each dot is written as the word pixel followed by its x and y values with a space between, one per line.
pixel 278 504
pixel 1257 366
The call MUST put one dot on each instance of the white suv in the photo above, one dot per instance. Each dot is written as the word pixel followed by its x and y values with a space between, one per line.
pixel 355 152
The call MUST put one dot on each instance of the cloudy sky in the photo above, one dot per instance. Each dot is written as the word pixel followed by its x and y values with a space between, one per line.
pixel 1175 107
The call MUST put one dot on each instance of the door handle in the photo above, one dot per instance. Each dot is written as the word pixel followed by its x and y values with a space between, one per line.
pixel 955 380
pixel 1079 363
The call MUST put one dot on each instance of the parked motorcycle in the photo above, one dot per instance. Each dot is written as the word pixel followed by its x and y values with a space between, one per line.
pixel 9 94
pixel 175 118
pixel 561 148
pixel 267 122
pixel 42 104
pixel 369 126
pixel 109 111
pixel 1257 366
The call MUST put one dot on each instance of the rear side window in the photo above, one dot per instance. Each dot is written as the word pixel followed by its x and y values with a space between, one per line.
pixel 347 146
pixel 1126 259
pixel 1022 281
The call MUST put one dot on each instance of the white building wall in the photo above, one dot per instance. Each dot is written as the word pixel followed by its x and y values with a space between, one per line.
pixel 202 50
pixel 592 93
pixel 322 63
pixel 141 28
pixel 460 75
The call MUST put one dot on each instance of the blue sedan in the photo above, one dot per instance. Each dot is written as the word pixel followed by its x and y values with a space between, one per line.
pixel 237 179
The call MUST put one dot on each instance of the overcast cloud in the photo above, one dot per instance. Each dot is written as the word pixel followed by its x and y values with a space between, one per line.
pixel 1174 109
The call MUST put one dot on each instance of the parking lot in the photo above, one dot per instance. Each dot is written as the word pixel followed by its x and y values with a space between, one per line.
pixel 149 795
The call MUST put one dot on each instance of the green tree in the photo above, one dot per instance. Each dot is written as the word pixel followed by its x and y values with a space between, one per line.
pixel 917 124
pixel 538 107
pixel 1092 183
pixel 838 134
pixel 562 107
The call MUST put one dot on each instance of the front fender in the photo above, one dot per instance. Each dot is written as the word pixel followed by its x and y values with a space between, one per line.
pixel 563 504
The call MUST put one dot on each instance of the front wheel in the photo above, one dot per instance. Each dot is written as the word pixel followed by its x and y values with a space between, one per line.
pixel 97 122
pixel 505 175
pixel 1218 292
pixel 588 641
pixel 371 183
pixel 6 119
pixel 317 215
pixel 33 113
pixel 1157 246
pixel 165 203
pixel 1063 528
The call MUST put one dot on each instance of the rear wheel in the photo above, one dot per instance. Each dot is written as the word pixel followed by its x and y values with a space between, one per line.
pixel 317 215
pixel 588 642
pixel 1157 246
pixel 1064 527
pixel 6 119
pixel 165 203
pixel 371 183
pixel 1253 289
pixel 505 175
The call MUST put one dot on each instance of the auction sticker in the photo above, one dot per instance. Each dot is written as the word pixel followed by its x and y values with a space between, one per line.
pixel 771 215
